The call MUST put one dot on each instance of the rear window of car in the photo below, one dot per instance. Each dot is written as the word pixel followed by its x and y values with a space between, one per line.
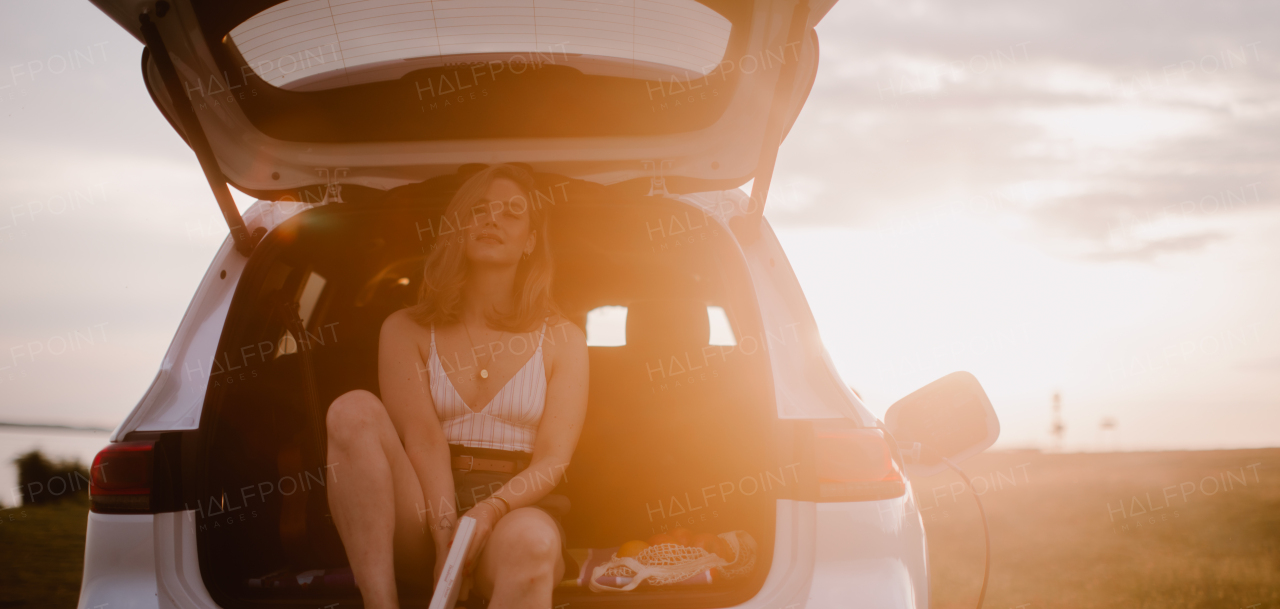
pixel 607 327
pixel 312 45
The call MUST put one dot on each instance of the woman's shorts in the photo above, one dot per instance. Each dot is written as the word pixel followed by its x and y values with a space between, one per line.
pixel 473 487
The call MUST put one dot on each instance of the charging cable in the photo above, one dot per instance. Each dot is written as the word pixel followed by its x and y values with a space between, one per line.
pixel 986 533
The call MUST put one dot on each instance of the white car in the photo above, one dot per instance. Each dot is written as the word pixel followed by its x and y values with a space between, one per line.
pixel 713 404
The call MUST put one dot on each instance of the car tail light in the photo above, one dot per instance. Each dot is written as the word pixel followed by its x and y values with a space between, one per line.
pixel 856 465
pixel 121 478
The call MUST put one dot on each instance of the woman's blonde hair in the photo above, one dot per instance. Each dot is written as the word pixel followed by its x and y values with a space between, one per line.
pixel 446 269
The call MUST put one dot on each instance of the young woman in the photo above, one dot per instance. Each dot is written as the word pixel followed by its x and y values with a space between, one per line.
pixel 484 390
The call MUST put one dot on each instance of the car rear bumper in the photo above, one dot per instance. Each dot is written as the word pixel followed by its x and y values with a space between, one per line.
pixel 119 562
pixel 869 554
pixel 825 555
pixel 142 561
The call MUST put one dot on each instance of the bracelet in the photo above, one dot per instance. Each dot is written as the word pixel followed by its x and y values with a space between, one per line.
pixel 497 511
pixel 504 501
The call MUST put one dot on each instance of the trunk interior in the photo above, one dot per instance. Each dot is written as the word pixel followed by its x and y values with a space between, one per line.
pixel 675 426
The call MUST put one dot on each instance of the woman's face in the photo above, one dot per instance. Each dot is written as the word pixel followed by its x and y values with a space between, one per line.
pixel 500 234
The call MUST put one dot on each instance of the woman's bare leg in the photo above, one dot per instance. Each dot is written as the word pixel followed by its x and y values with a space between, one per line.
pixel 375 498
pixel 521 561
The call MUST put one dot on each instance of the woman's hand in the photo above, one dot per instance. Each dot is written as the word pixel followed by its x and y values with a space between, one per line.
pixel 486 516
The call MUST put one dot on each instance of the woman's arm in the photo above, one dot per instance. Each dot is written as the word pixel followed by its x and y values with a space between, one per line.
pixel 406 392
pixel 562 417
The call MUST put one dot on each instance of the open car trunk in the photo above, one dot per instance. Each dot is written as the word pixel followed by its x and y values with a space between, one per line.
pixel 302 99
pixel 677 429
pixel 294 93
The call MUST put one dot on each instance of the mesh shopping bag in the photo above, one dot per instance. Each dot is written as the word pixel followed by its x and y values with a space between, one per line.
pixel 743 546
pixel 668 563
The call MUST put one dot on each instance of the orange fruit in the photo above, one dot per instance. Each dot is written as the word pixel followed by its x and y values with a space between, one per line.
pixel 661 538
pixel 631 548
pixel 683 536
pixel 712 544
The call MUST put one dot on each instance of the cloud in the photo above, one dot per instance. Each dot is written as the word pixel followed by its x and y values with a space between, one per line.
pixel 1148 251
pixel 1089 123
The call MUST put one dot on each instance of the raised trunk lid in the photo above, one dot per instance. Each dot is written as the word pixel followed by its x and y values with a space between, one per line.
pixel 302 93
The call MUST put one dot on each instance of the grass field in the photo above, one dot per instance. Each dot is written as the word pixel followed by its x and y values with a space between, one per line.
pixel 42 554
pixel 1118 530
pixel 1060 537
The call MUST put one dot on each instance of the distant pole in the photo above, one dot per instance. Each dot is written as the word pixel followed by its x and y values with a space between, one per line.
pixel 1059 428
pixel 1108 427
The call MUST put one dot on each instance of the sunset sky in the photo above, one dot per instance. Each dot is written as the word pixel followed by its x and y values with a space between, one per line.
pixel 1077 197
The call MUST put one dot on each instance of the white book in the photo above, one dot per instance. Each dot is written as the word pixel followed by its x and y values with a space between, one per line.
pixel 446 593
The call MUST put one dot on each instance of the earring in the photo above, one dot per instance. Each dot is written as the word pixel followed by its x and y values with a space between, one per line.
pixel 524 256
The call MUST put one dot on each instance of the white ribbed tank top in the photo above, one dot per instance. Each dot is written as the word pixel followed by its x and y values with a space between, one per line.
pixel 508 422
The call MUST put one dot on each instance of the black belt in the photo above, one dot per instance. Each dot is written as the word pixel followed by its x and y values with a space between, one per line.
pixel 468 459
